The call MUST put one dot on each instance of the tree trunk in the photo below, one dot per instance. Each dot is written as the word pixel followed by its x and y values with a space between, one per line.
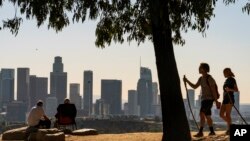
pixel 175 124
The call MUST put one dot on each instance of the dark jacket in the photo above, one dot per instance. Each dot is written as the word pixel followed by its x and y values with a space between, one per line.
pixel 67 110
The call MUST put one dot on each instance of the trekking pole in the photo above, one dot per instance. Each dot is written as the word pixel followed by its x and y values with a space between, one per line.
pixel 237 110
pixel 189 105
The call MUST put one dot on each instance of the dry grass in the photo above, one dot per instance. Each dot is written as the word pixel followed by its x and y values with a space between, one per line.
pixel 144 136
pixel 118 137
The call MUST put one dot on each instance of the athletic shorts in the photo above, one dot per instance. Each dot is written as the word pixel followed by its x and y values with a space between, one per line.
pixel 227 99
pixel 206 106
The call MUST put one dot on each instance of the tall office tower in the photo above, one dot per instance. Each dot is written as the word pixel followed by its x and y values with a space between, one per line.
pixel 42 88
pixel 33 99
pixel 38 89
pixel 7 77
pixel 145 92
pixel 155 92
pixel 23 85
pixel 133 107
pixel 74 95
pixel 111 93
pixel 51 106
pixel 88 91
pixel 236 103
pixel 58 81
pixel 191 97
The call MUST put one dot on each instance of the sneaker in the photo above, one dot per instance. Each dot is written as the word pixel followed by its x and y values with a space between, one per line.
pixel 211 134
pixel 199 134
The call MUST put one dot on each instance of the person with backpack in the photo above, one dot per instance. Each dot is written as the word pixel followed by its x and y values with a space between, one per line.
pixel 208 96
pixel 229 88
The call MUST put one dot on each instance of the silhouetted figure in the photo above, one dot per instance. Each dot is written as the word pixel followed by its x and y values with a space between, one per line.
pixel 208 96
pixel 66 113
pixel 229 88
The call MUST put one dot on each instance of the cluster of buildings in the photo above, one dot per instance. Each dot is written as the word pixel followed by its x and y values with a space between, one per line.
pixel 142 102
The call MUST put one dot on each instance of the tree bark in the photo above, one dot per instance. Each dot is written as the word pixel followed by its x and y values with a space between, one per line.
pixel 175 124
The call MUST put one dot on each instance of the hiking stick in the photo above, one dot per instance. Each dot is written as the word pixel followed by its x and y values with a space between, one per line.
pixel 189 105
pixel 237 109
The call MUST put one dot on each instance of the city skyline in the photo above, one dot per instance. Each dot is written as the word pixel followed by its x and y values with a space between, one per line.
pixel 226 45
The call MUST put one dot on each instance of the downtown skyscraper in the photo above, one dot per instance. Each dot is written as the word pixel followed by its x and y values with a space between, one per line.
pixel 145 92
pixel 7 78
pixel 74 95
pixel 38 89
pixel 23 85
pixel 133 108
pixel 58 81
pixel 111 93
pixel 88 91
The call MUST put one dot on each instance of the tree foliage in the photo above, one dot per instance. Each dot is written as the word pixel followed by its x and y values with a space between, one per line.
pixel 118 19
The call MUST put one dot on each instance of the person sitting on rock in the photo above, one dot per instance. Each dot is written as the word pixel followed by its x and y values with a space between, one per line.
pixel 37 117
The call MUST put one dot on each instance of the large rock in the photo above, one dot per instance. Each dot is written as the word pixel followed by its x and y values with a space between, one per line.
pixel 15 134
pixel 47 135
pixel 55 137
pixel 34 134
pixel 83 132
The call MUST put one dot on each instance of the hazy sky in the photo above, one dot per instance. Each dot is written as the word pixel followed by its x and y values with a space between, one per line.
pixel 227 45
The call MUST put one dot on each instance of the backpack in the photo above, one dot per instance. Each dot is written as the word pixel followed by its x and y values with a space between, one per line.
pixel 216 87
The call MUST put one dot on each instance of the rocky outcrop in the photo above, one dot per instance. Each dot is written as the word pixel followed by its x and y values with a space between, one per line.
pixel 34 134
pixel 84 132
pixel 14 134
pixel 47 135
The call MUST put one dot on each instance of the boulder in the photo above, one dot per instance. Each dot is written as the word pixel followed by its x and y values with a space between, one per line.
pixel 15 134
pixel 83 132
pixel 55 137
pixel 42 133
pixel 34 134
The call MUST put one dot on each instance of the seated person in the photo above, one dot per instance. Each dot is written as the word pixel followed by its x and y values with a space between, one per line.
pixel 66 113
pixel 37 117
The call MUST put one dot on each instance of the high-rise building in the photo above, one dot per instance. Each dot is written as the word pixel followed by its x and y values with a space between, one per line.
pixel 33 99
pixel 133 107
pixel 51 106
pixel 74 95
pixel 38 89
pixel 7 77
pixel 145 92
pixel 42 88
pixel 23 85
pixel 58 81
pixel 111 93
pixel 88 91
